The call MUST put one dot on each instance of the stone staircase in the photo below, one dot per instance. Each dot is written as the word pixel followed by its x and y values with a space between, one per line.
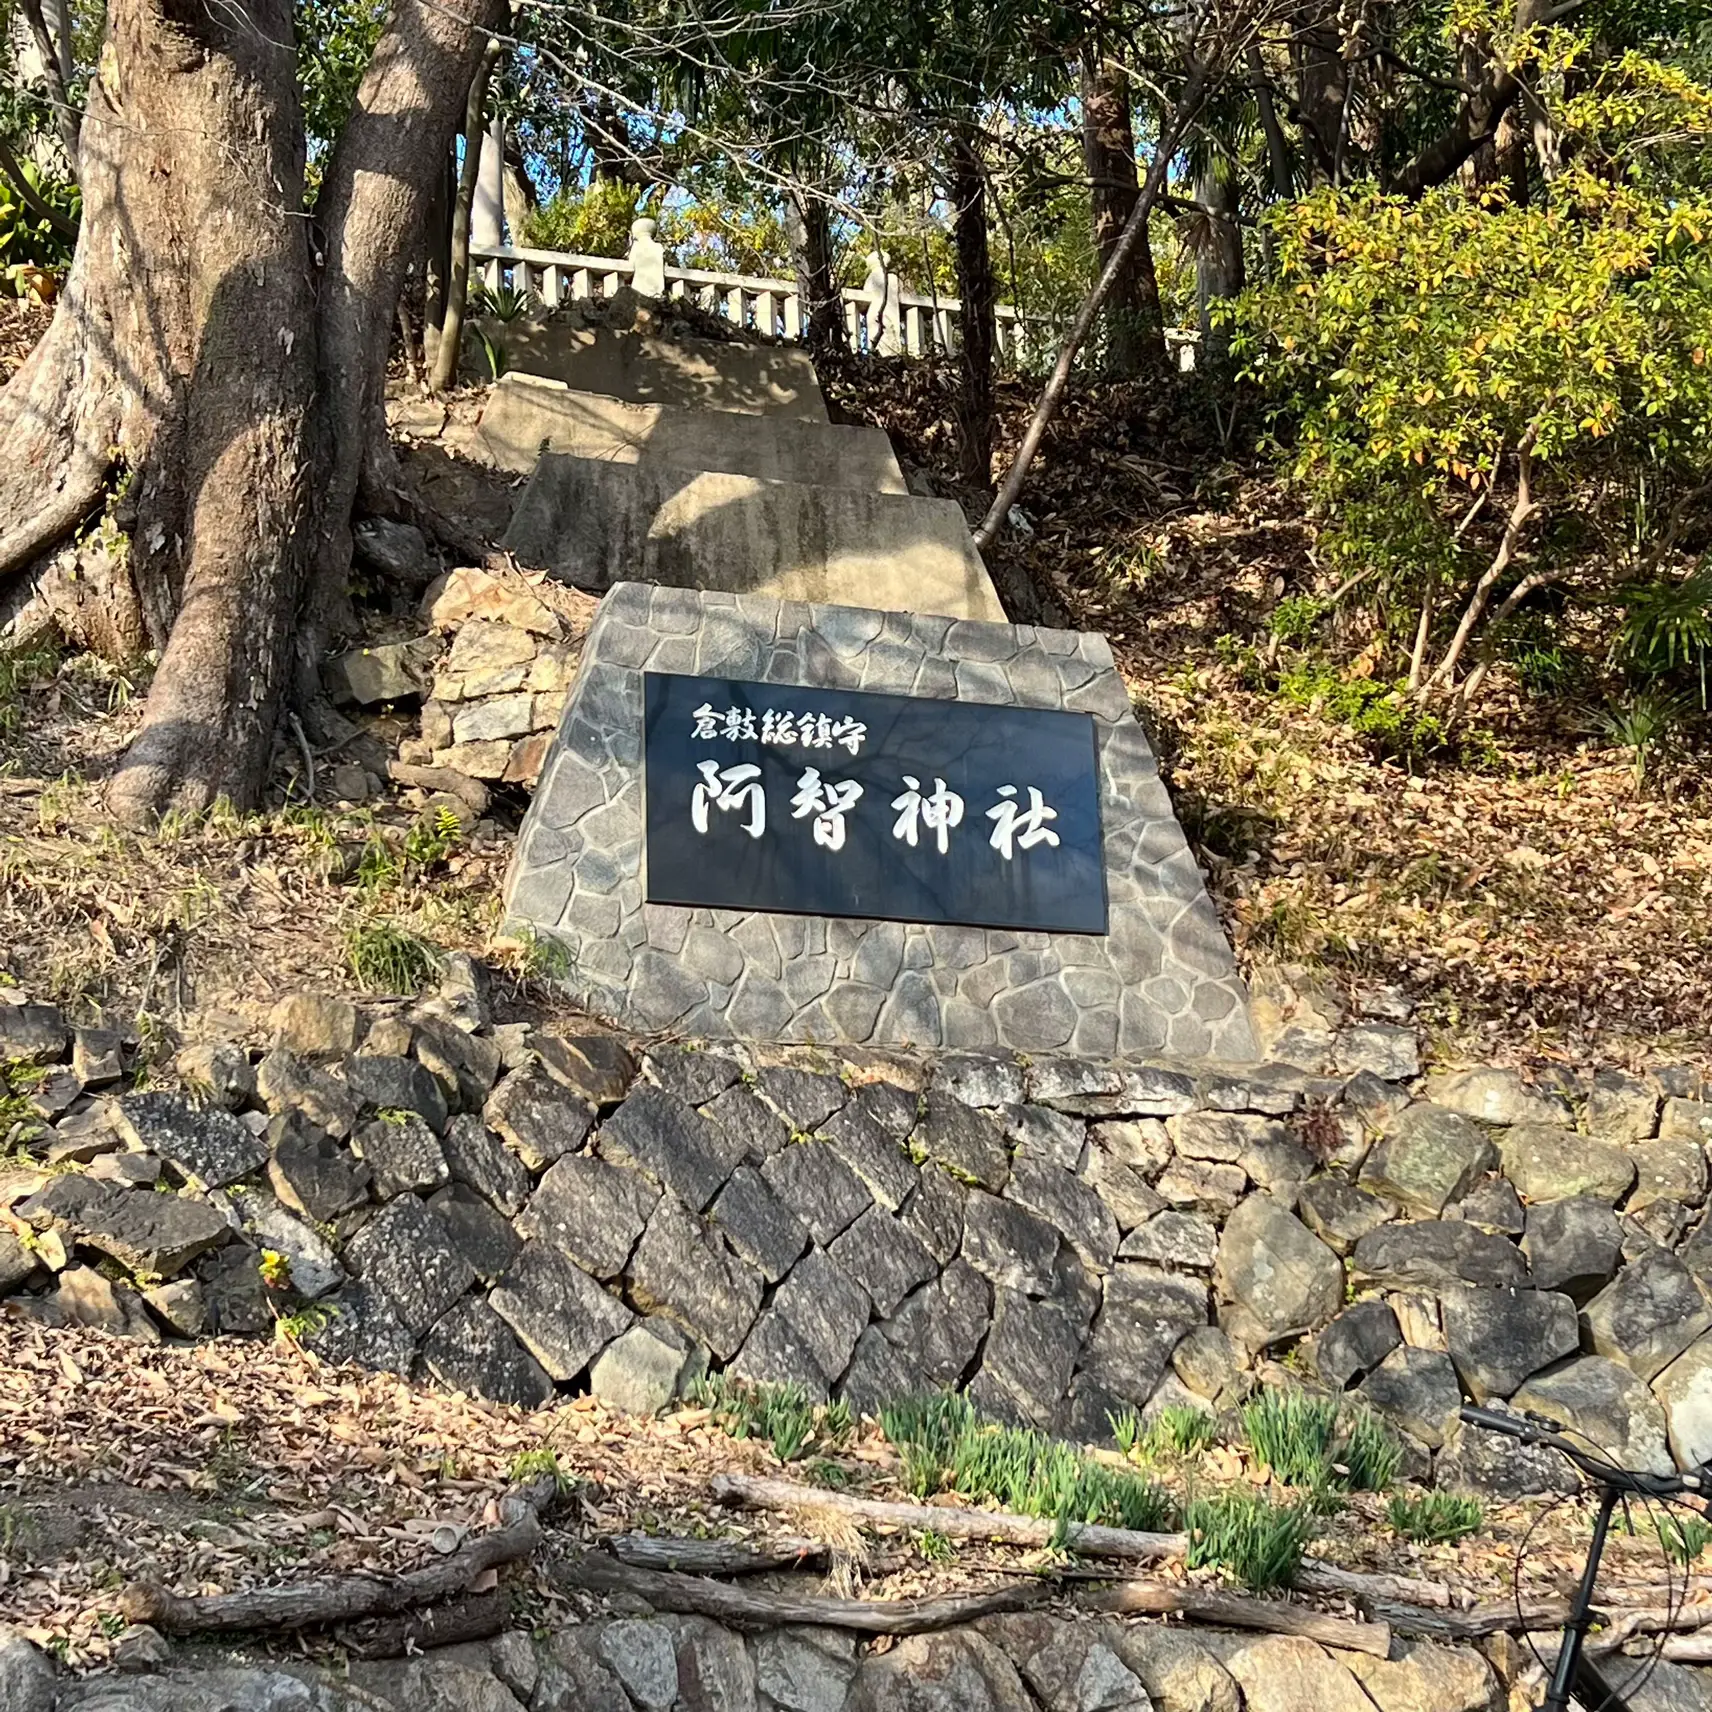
pixel 697 464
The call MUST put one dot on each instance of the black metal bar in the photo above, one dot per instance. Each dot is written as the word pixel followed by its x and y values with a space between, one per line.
pixel 1581 1612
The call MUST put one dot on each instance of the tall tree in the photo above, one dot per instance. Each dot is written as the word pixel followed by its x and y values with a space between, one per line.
pixel 236 378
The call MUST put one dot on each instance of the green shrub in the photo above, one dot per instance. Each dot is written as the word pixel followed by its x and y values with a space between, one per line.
pixel 587 222
pixel 1381 712
pixel 1435 1518
pixel 387 958
pixel 1249 1537
pixel 29 242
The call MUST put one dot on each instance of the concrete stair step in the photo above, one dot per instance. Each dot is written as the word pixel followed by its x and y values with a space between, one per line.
pixel 595 522
pixel 528 414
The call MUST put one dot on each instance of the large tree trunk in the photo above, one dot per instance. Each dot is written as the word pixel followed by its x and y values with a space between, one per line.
pixel 1135 326
pixel 1322 82
pixel 1219 273
pixel 190 348
pixel 980 299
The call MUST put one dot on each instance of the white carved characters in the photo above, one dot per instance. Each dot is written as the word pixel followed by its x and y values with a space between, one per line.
pixel 939 811
pixel 1027 827
pixel 828 800
pixel 730 790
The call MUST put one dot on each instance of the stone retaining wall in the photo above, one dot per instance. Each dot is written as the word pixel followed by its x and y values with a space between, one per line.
pixel 512 1212
pixel 1033 1663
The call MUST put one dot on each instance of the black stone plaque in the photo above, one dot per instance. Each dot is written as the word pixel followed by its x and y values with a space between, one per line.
pixel 835 802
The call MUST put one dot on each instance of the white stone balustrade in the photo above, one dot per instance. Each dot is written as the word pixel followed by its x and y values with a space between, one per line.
pixel 879 316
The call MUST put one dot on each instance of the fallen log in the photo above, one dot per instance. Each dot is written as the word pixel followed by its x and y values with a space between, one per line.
pixel 475 1617
pixel 347 1598
pixel 716 1557
pixel 760 1492
pixel 695 1595
pixel 1497 1616
pixel 1232 1611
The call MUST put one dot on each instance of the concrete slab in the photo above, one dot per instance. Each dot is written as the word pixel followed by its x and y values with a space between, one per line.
pixel 596 523
pixel 528 414
pixel 696 374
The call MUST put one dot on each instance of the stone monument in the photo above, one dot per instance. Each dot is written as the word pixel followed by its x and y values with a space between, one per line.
pixel 647 260
pixel 779 821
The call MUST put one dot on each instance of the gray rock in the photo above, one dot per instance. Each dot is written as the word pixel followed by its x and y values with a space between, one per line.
pixel 818 1187
pixel 471 1349
pixel 1381 1049
pixel 644 1368
pixel 1665 1686
pixel 138 1650
pixel 955 1671
pixel 940 1327
pixel 1429 1678
pixel 806 1098
pixel 1032 1347
pixel 1547 1163
pixel 1429 1253
pixel 561 1315
pixel 1069 1667
pixel 465 1065
pixel 1143 1314
pixel 388 1084
pixel 883 1256
pixel 387 672
pixel 1202 1183
pixel 315 1269
pixel 208 1148
pixel 1340 1214
pixel 97 1056
pixel 572 1678
pixel 31 1034
pixel 966 1142
pixel 360 1326
pixel 180 1306
pixel 476 1156
pixel 218 1072
pixel 1647 1315
pixel 1069 1205
pixel 1223 1136
pixel 714 1670
pixel 598 1067
pixel 693 1076
pixel 1606 1405
pixel 478 1233
pixel 892 1107
pixel 1494 1206
pixel 879 1374
pixel 1684 1390
pixel 84 1298
pixel 315 1025
pixel 934 1213
pixel 404 1256
pixel 1417 1389
pixel 873 1153
pixel 1574 1246
pixel 1685 1119
pixel 312 1173
pixel 1174 1239
pixel 285 1084
pixel 239 1689
pixel 1497 1338
pixel 656 1132
pixel 682 1270
pixel 1277 1270
pixel 17 1263
pixel 1621 1107
pixel 1103 1091
pixel 1178 1671
pixel 827 1308
pixel 591 1211
pixel 980 1079
pixel 759 1225
pixel 1355 1343
pixel 643 1656
pixel 1010 1246
pixel 239 1303
pixel 775 1353
pixel 1143 1144
pixel 403 1155
pixel 1496 1097
pixel 1205 1361
pixel 750 1128
pixel 1428 1158
pixel 1036 1132
pixel 1667 1171
pixel 151 1234
pixel 804 1670
pixel 537 1118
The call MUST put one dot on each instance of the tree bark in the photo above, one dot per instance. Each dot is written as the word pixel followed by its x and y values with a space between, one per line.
pixel 190 349
pixel 1218 257
pixel 449 347
pixel 1135 326
pixel 980 300
pixel 55 49
pixel 1322 83
pixel 436 263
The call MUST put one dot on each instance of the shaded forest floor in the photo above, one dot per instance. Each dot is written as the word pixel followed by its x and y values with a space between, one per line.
pixel 1517 885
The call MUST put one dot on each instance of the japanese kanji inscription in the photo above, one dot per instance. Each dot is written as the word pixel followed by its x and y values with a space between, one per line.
pixel 842 803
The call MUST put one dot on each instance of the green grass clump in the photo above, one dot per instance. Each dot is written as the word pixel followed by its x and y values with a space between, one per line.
pixel 386 958
pixel 783 1415
pixel 1293 1433
pixel 1248 1536
pixel 1683 1537
pixel 1371 1454
pixel 1184 1430
pixel 1435 1518
pixel 944 1443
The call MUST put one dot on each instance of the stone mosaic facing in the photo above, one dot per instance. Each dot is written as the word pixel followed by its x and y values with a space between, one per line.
pixel 1162 981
